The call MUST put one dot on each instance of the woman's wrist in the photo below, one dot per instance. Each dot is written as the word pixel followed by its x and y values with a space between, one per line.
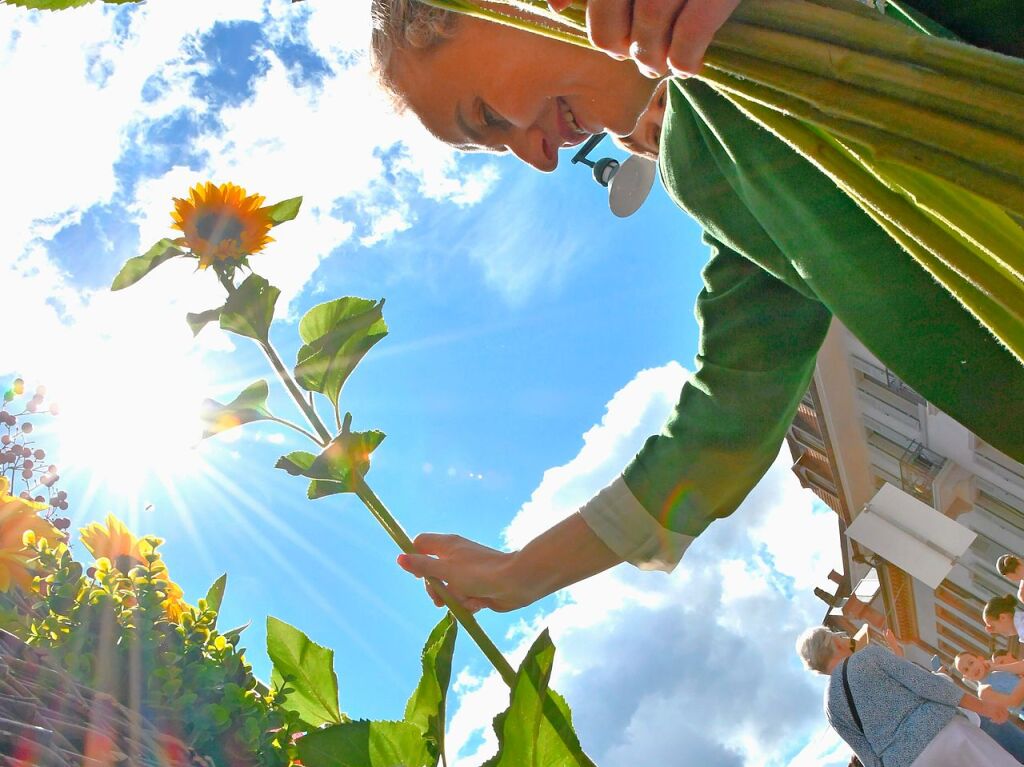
pixel 566 553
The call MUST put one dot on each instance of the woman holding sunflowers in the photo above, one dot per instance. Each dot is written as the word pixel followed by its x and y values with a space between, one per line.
pixel 788 251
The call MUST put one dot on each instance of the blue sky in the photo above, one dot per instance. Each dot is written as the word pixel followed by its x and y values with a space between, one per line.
pixel 535 342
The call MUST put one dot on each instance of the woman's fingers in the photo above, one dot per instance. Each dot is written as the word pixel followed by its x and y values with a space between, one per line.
pixel 422 566
pixel 694 28
pixel 609 24
pixel 559 5
pixel 651 34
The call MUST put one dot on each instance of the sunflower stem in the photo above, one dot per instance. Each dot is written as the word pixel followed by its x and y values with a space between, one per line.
pixel 462 615
pixel 312 437
pixel 992 298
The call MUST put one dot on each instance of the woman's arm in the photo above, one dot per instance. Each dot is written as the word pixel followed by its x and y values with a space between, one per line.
pixel 479 576
pixel 990 709
pixel 1012 666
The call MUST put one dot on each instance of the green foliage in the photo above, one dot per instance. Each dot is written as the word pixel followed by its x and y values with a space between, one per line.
pixel 339 465
pixel 250 308
pixel 426 706
pixel 215 596
pixel 59 5
pixel 247 407
pixel 308 669
pixel 283 211
pixel 199 320
pixel 336 336
pixel 116 630
pixel 365 744
pixel 137 268
pixel 536 729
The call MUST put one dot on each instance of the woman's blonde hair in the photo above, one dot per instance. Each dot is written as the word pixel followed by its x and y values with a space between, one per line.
pixel 401 25
pixel 815 648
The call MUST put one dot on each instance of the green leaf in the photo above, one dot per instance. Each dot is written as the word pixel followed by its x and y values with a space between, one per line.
pixel 336 336
pixel 46 5
pixel 232 635
pixel 199 320
pixel 215 596
pixel 426 706
pixel 283 211
pixel 250 309
pixel 336 468
pixel 297 463
pixel 309 669
pixel 536 730
pixel 137 268
pixel 365 744
pixel 320 488
pixel 247 407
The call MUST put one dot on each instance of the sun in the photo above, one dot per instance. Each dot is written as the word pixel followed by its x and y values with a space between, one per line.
pixel 129 413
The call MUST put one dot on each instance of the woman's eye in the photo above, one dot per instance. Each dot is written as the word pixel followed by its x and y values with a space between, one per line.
pixel 490 118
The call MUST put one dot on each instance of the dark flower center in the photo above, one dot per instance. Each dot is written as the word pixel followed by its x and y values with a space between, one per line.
pixel 215 228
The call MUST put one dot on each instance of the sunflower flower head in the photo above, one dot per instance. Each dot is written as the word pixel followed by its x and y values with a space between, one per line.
pixel 20 525
pixel 222 224
pixel 113 542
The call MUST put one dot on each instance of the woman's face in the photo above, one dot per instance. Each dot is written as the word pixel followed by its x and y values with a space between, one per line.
pixel 972 667
pixel 494 88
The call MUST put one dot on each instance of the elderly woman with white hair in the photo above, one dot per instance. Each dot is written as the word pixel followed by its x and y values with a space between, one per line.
pixel 893 713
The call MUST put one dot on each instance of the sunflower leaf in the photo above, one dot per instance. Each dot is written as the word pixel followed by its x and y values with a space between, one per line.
pixel 283 211
pixel 296 464
pixel 215 596
pixel 199 320
pixel 336 336
pixel 247 407
pixel 365 744
pixel 309 669
pixel 250 309
pixel 536 729
pixel 137 268
pixel 321 488
pixel 426 706
pixel 336 469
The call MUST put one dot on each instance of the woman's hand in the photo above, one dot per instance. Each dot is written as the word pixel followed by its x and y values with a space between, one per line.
pixel 994 711
pixel 476 575
pixel 662 36
pixel 479 576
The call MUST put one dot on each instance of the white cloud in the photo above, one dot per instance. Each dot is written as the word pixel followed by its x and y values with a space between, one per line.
pixel 91 82
pixel 693 668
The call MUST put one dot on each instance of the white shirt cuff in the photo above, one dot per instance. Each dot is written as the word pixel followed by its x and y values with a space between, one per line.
pixel 625 526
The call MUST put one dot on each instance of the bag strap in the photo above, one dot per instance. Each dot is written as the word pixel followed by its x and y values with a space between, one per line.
pixel 853 706
pixel 849 700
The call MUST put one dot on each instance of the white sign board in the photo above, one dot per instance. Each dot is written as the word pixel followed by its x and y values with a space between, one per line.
pixel 911 534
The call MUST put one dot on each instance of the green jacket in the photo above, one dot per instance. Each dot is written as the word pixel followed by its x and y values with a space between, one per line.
pixel 788 251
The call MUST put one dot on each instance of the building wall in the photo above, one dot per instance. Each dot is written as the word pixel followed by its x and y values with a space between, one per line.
pixel 859 427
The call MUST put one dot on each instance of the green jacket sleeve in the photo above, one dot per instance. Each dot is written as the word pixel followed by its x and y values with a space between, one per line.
pixel 758 341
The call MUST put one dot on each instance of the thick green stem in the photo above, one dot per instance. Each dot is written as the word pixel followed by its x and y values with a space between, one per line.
pixel 973 103
pixel 1000 189
pixel 462 615
pixel 985 147
pixel 293 389
pixel 885 37
pixel 996 302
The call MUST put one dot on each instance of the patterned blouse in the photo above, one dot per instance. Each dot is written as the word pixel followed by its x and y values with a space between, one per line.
pixel 901 706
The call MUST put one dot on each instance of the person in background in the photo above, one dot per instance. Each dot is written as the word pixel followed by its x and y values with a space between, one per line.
pixel 892 712
pixel 999 686
pixel 1003 617
pixel 1006 734
pixel 1011 568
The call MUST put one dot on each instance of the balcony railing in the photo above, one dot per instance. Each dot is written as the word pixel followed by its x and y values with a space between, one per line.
pixel 919 467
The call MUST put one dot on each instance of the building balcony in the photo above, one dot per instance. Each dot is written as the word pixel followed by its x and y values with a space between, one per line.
pixel 919 467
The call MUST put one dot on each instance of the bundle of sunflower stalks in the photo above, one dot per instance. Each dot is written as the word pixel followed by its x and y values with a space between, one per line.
pixel 925 133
